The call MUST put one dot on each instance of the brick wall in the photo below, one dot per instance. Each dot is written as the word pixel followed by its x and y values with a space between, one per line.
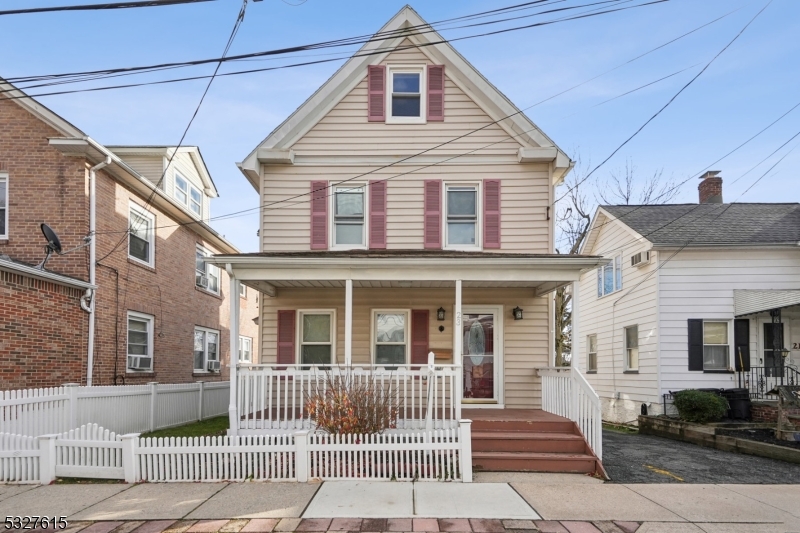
pixel 767 413
pixel 42 333
pixel 55 190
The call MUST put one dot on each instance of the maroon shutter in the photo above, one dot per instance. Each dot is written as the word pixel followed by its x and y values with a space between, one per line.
pixel 419 336
pixel 436 93
pixel 433 213
pixel 377 215
pixel 319 215
pixel 376 93
pixel 491 214
pixel 286 327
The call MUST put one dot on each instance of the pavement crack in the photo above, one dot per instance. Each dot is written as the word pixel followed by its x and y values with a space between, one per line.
pixel 193 509
pixel 658 504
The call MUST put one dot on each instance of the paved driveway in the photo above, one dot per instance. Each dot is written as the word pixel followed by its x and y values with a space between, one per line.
pixel 634 458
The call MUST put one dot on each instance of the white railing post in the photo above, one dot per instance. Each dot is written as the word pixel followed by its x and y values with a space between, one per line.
pixel 465 457
pixel 431 371
pixel 233 412
pixel 72 406
pixel 153 399
pixel 47 458
pixel 129 444
pixel 200 391
pixel 301 456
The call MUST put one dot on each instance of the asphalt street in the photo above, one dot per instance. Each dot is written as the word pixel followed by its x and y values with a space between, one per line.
pixel 634 458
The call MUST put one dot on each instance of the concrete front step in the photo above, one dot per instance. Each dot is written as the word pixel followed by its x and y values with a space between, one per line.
pixel 524 441
pixel 533 462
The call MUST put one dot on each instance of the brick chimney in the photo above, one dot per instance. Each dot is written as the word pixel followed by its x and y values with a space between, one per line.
pixel 710 188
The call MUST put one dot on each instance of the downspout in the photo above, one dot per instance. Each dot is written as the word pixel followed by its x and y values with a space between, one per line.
pixel 90 294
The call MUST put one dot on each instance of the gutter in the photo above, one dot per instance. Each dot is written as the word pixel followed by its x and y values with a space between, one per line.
pixel 91 293
pixel 45 275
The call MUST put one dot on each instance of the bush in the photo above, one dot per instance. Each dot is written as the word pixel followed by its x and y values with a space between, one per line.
pixel 344 402
pixel 700 407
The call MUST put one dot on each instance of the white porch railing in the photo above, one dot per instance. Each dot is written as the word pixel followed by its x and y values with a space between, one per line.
pixel 273 397
pixel 565 392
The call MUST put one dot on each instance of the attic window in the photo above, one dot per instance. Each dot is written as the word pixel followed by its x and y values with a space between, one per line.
pixel 405 87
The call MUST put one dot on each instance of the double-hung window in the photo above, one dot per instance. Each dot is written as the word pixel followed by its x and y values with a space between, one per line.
pixel 348 216
pixel 715 346
pixel 390 337
pixel 316 337
pixel 591 353
pixel 243 290
pixel 609 277
pixel 461 227
pixel 188 195
pixel 206 350
pixel 632 348
pixel 206 274
pixel 141 235
pixel 405 103
pixel 3 205
pixel 140 342
pixel 245 349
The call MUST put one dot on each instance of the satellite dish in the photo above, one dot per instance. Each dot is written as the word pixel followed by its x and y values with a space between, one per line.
pixel 53 244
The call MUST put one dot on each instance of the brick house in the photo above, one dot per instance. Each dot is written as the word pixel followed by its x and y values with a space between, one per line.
pixel 160 310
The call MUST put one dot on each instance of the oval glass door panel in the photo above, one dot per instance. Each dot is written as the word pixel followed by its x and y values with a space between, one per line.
pixel 478 356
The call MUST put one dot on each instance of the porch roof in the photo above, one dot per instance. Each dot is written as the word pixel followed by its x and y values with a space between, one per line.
pixel 751 301
pixel 406 269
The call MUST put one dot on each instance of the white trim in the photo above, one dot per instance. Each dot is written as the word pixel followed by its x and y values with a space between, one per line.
pixel 601 274
pixel 190 187
pixel 4 178
pixel 207 254
pixel 243 291
pixel 422 70
pixel 206 360
pixel 478 185
pixel 373 331
pixel 625 362
pixel 299 332
pixel 151 233
pixel 499 359
pixel 332 218
pixel 150 320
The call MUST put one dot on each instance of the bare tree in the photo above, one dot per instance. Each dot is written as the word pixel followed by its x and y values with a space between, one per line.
pixel 574 216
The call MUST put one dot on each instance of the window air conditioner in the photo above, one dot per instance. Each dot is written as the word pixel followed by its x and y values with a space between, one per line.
pixel 640 259
pixel 139 363
pixel 213 366
pixel 201 280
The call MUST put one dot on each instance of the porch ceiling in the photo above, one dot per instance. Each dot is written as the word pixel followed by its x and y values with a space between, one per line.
pixel 407 269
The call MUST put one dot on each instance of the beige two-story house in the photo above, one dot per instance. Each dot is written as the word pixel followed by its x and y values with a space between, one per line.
pixel 407 210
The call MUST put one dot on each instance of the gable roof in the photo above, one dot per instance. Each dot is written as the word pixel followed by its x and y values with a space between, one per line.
pixel 706 224
pixel 496 105
pixel 167 151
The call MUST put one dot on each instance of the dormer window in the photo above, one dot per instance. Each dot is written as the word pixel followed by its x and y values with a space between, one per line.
pixel 188 195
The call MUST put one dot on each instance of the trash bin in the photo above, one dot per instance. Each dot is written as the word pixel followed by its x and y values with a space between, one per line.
pixel 738 402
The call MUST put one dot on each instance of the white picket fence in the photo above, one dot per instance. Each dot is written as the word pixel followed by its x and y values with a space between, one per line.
pixel 565 392
pixel 272 397
pixel 94 452
pixel 122 409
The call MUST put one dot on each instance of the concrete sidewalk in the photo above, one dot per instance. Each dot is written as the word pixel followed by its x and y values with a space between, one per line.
pixel 501 502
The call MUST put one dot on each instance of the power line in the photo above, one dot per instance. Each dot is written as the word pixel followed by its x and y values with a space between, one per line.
pixel 657 113
pixel 98 7
pixel 307 63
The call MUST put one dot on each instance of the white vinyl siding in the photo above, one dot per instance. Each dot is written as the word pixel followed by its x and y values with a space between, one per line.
pixel 526 342
pixel 140 342
pixel 206 349
pixel 141 235
pixel 600 317
pixel 3 205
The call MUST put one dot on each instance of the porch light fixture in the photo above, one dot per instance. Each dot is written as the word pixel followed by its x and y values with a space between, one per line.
pixel 440 314
pixel 517 313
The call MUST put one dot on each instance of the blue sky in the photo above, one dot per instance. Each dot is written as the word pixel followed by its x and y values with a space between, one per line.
pixel 752 83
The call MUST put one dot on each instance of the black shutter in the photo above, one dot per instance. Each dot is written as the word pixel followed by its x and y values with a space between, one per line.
pixel 741 343
pixel 695 344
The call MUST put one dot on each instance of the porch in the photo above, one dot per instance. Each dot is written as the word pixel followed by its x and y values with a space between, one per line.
pixel 467 335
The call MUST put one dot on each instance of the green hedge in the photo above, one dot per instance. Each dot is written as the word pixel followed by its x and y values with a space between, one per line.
pixel 700 407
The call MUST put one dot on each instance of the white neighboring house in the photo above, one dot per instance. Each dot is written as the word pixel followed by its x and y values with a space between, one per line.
pixel 697 296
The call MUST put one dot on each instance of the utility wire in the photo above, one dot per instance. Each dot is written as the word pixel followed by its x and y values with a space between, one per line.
pixel 98 7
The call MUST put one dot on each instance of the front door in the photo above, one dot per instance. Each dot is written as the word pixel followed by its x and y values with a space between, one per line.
pixel 481 351
pixel 773 358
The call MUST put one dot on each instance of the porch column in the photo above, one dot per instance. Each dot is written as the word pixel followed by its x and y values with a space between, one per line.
pixel 233 297
pixel 575 361
pixel 457 336
pixel 348 322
